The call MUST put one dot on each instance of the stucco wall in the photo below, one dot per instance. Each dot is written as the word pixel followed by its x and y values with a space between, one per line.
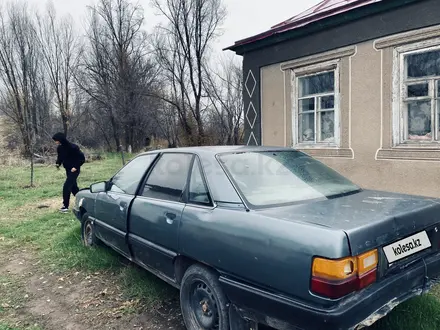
pixel 273 104
pixel 366 124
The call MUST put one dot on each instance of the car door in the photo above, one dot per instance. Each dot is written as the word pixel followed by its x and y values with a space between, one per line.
pixel 112 206
pixel 156 214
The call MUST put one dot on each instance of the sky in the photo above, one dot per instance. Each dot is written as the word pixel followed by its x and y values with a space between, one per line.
pixel 245 17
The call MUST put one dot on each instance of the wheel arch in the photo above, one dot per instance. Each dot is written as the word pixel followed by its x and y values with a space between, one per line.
pixel 182 263
pixel 82 211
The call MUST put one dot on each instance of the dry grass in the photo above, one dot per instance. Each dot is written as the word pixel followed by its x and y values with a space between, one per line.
pixel 8 158
pixel 29 211
pixel 2 133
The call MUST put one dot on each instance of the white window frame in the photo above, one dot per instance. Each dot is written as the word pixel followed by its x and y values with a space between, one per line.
pixel 399 92
pixel 308 71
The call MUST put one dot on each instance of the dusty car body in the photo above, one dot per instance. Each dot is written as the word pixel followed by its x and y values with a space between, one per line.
pixel 259 235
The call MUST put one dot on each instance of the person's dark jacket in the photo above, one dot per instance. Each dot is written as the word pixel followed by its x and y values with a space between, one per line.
pixel 69 154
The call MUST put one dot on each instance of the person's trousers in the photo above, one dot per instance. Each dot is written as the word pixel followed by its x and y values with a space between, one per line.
pixel 70 186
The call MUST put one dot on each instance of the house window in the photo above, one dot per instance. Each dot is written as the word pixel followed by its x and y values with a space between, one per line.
pixel 316 104
pixel 419 96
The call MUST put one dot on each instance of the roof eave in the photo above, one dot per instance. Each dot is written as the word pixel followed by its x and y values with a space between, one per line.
pixel 271 37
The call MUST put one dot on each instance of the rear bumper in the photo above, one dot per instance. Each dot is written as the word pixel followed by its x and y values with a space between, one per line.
pixel 359 310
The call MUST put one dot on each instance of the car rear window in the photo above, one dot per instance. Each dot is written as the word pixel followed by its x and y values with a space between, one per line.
pixel 283 177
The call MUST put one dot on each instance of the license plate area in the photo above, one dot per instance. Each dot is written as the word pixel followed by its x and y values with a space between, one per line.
pixel 407 247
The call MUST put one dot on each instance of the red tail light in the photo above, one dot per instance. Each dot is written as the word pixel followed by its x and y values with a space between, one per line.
pixel 339 289
pixel 337 278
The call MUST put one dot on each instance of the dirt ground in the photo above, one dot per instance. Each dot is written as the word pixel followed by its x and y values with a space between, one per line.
pixel 73 301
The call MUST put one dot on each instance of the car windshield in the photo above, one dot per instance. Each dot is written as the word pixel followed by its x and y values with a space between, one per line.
pixel 283 177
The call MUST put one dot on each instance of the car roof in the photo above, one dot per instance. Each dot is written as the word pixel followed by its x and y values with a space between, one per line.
pixel 214 150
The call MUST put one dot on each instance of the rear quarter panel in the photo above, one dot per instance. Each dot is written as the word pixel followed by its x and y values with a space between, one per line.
pixel 271 254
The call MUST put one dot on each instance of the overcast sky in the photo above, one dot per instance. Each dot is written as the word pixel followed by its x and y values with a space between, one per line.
pixel 245 17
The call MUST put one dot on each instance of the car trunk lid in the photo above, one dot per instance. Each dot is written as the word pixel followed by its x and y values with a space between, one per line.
pixel 370 219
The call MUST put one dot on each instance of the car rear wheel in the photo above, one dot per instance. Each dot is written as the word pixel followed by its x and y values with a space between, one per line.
pixel 203 303
pixel 88 236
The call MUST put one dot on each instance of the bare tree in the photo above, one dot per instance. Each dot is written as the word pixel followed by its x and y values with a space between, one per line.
pixel 19 70
pixel 191 27
pixel 167 121
pixel 175 81
pixel 60 51
pixel 116 72
pixel 224 87
pixel 24 94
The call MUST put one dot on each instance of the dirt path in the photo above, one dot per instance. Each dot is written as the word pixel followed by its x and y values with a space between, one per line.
pixel 30 296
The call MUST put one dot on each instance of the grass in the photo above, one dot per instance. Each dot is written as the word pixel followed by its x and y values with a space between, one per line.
pixel 421 313
pixel 4 326
pixel 12 296
pixel 55 236
pixel 56 240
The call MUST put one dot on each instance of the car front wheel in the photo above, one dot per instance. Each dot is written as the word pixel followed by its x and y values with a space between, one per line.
pixel 88 236
pixel 203 303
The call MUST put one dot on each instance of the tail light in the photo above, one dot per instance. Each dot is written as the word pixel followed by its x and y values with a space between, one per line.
pixel 337 278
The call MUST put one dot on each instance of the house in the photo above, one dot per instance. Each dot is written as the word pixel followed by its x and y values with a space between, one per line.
pixel 355 83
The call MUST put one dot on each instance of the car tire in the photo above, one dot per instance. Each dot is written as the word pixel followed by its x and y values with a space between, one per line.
pixel 204 305
pixel 88 236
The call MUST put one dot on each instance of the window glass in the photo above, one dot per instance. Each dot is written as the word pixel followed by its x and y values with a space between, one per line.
pixel 420 97
pixel 128 178
pixel 316 108
pixel 168 177
pixel 317 84
pixel 419 119
pixel 276 178
pixel 418 90
pixel 198 193
pixel 426 64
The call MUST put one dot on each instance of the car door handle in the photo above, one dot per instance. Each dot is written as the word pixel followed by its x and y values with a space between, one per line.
pixel 170 217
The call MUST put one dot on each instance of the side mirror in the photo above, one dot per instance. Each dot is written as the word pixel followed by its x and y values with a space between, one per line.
pixel 98 187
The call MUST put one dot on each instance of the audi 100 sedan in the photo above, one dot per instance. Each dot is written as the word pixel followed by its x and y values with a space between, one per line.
pixel 259 235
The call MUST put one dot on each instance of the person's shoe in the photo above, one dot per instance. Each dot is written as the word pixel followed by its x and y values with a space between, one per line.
pixel 64 209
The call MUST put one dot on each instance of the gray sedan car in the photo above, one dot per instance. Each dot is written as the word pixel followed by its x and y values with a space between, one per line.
pixel 259 235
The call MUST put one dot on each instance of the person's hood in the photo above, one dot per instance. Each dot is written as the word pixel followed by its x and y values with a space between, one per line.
pixel 61 138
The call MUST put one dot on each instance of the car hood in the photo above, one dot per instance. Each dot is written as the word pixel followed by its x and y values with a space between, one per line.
pixel 369 218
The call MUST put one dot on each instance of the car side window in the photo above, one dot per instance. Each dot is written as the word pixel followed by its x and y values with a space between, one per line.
pixel 128 178
pixel 168 178
pixel 198 192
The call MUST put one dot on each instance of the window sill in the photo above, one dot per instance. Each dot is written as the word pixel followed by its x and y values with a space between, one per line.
pixel 411 152
pixel 312 145
pixel 325 151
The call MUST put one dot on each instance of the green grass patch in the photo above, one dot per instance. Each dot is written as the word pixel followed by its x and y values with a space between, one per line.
pixel 140 284
pixel 57 237
pixel 6 327
pixel 421 313
pixel 48 181
pixel 12 296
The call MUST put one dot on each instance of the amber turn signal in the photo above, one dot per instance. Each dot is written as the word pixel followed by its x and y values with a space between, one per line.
pixel 334 269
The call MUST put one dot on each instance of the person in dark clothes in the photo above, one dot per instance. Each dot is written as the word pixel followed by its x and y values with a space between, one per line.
pixel 72 158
